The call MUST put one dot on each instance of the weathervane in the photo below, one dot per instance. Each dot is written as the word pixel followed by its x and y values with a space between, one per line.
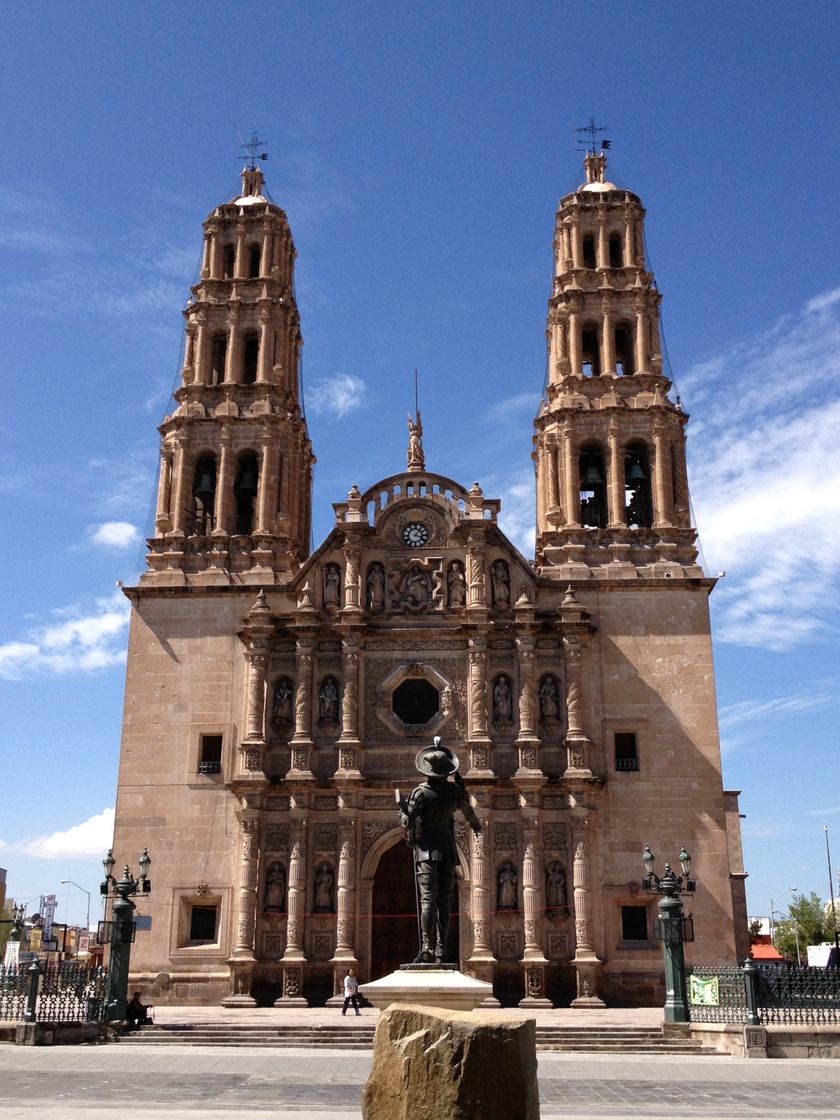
pixel 251 148
pixel 593 129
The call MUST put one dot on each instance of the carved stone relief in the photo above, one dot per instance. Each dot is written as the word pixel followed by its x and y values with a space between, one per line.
pixel 505 836
pixel 276 837
pixel 324 838
pixel 371 831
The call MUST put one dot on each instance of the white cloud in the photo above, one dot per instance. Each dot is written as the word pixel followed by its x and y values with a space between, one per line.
pixel 831 811
pixel 765 478
pixel 83 641
pixel 90 838
pixel 732 715
pixel 114 534
pixel 336 396
pixel 511 409
pixel 516 519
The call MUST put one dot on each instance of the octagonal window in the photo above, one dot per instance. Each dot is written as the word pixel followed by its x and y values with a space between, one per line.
pixel 415 701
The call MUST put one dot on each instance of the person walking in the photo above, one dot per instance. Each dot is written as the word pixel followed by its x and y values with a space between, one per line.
pixel 351 992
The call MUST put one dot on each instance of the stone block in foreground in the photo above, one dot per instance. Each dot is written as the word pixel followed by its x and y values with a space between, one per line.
pixel 437 1064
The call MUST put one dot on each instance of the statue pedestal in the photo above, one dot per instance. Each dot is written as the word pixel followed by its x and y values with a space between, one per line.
pixel 431 985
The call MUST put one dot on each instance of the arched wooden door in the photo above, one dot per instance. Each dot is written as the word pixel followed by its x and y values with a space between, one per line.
pixel 394 937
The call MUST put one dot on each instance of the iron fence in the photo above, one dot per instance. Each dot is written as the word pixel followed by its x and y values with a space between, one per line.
pixel 12 992
pixel 781 994
pixel 66 992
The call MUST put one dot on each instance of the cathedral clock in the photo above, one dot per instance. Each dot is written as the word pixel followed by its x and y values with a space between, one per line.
pixel 415 534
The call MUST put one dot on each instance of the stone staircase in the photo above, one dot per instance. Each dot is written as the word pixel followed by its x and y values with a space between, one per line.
pixel 359 1036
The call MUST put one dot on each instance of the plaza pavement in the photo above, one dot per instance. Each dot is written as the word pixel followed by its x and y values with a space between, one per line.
pixel 173 1081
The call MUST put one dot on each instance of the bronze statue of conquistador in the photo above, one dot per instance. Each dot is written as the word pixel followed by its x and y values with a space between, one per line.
pixel 428 819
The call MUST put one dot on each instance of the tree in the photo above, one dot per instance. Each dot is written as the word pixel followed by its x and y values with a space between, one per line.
pixel 806 916
pixel 754 930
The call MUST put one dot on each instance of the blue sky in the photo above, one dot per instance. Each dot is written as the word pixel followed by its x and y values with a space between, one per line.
pixel 420 152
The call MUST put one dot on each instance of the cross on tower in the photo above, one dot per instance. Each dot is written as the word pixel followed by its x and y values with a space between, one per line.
pixel 593 129
pixel 251 148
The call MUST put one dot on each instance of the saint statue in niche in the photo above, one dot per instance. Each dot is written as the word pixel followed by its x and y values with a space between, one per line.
pixel 332 585
pixel 549 698
pixel 502 699
pixel 328 701
pixel 376 587
pixel 555 887
pixel 500 583
pixel 281 711
pixel 456 584
pixel 416 589
pixel 507 883
pixel 274 898
pixel 324 888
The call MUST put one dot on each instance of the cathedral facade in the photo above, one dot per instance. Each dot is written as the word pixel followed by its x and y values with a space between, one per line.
pixel 275 699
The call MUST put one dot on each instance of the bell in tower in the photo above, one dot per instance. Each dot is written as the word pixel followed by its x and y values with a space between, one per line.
pixel 236 460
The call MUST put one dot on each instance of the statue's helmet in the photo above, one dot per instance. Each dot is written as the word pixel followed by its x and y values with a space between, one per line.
pixel 437 761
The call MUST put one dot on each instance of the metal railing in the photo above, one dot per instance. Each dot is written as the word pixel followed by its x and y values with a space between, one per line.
pixel 765 994
pixel 57 992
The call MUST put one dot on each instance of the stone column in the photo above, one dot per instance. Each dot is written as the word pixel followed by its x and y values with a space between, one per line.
pixel 527 743
pixel 239 260
pixel 266 346
pixel 577 742
pixel 482 960
pixel 534 960
pixel 242 959
pixel 301 742
pixel 182 467
pixel 642 363
pixel 345 953
pixel 476 587
pixel 585 960
pixel 571 482
pixel 187 373
pixel 224 487
pixel 629 243
pixel 615 492
pixel 163 521
pixel 352 579
pixel 294 956
pixel 265 488
pixel 603 248
pixel 233 361
pixel 607 344
pixel 265 254
pixel 575 361
pixel 255 714
pixel 478 735
pixel 576 247
pixel 205 258
pixel 348 742
pixel 553 490
pixel 663 513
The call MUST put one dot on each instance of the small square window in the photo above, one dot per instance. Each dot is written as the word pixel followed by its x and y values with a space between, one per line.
pixel 210 754
pixel 634 923
pixel 203 923
pixel 626 754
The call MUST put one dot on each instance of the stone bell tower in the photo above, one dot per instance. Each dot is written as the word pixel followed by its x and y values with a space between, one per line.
pixel 234 496
pixel 609 444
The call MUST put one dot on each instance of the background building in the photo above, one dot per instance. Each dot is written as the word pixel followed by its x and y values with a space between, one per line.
pixel 275 698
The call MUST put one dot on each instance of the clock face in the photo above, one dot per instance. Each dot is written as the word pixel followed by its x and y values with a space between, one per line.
pixel 415 534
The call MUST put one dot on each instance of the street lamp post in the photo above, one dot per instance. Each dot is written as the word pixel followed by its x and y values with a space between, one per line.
pixel 673 928
pixel 792 890
pixel 121 929
pixel 82 889
pixel 795 935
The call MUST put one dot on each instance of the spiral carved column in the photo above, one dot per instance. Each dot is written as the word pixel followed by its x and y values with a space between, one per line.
pixel 479 738
pixel 301 742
